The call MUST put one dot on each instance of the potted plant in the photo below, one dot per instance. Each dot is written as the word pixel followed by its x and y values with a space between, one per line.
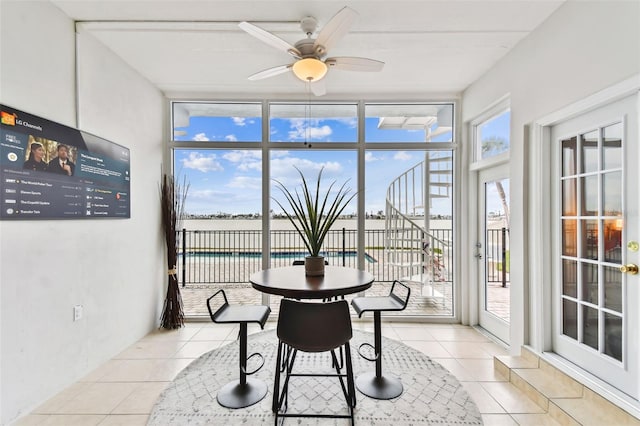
pixel 312 215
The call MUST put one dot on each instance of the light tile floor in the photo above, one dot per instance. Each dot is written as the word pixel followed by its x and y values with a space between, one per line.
pixel 123 390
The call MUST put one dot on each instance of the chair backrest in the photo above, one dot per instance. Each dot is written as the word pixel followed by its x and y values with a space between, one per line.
pixel 400 293
pixel 220 306
pixel 314 327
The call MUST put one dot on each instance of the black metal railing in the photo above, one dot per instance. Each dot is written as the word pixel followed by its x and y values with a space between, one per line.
pixel 225 256
pixel 497 252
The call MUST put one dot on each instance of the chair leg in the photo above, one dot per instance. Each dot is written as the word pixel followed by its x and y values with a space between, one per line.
pixel 280 398
pixel 340 364
pixel 284 364
pixel 285 387
pixel 346 391
pixel 350 380
pixel 245 391
pixel 350 383
pixel 276 380
pixel 374 384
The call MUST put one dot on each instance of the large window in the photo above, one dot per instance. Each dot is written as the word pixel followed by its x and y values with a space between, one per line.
pixel 399 157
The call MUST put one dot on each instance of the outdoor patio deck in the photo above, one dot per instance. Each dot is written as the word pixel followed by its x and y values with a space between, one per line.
pixel 194 299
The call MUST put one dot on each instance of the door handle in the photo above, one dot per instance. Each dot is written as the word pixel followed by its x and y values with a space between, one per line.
pixel 629 268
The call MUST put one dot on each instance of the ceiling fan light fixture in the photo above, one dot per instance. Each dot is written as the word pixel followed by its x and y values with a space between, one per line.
pixel 309 69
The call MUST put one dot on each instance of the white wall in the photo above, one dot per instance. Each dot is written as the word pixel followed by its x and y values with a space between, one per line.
pixel 581 49
pixel 114 267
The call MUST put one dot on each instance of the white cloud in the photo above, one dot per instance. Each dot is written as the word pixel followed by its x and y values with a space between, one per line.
pixel 279 154
pixel 305 130
pixel 208 200
pixel 350 122
pixel 203 163
pixel 402 156
pixel 239 121
pixel 204 194
pixel 245 182
pixel 238 156
pixel 245 167
pixel 283 170
pixel 201 137
pixel 231 138
pixel 369 157
pixel 310 133
pixel 245 160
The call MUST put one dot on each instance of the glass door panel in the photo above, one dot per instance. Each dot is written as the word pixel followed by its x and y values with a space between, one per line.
pixel 495 297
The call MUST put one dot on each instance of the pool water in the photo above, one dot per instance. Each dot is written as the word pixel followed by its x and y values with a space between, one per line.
pixel 275 255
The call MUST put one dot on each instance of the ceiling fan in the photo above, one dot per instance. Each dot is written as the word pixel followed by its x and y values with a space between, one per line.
pixel 311 63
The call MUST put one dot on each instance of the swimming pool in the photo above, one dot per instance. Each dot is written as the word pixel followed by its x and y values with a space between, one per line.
pixel 292 255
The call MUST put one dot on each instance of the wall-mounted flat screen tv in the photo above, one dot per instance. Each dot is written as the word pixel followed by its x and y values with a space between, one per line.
pixel 52 171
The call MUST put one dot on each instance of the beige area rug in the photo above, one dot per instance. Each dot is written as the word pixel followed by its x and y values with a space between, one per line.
pixel 432 396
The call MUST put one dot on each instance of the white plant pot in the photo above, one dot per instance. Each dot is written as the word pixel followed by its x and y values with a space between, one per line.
pixel 314 266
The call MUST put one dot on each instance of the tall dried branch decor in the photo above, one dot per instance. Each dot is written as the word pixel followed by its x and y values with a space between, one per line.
pixel 172 198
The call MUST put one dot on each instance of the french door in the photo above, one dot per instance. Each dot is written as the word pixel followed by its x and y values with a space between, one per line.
pixel 493 251
pixel 595 293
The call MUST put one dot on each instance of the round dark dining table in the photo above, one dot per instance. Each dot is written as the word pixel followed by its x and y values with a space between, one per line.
pixel 291 282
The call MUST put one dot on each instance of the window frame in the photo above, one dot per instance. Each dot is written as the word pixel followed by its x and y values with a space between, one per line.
pixel 360 147
pixel 493 111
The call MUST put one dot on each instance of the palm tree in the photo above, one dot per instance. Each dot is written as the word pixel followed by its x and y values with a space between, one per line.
pixel 495 144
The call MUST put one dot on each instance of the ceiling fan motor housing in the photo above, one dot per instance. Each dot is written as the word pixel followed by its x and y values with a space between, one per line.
pixel 309 50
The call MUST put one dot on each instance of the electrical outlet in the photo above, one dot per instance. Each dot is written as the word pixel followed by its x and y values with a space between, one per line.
pixel 77 312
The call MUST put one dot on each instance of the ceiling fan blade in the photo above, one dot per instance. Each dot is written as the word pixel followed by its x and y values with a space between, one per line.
pixel 269 38
pixel 270 72
pixel 319 88
pixel 351 63
pixel 335 29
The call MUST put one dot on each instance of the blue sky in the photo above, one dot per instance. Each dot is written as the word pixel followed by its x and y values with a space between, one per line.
pixel 229 181
pixel 496 127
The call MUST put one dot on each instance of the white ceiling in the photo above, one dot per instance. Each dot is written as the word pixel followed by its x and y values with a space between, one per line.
pixel 195 48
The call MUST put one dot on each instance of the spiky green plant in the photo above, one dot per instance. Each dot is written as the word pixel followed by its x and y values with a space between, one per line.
pixel 313 214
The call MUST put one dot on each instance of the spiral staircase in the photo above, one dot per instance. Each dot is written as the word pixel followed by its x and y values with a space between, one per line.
pixel 411 249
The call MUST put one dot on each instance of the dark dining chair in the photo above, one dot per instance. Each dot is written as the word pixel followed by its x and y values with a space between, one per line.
pixel 245 391
pixel 312 327
pixel 374 384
